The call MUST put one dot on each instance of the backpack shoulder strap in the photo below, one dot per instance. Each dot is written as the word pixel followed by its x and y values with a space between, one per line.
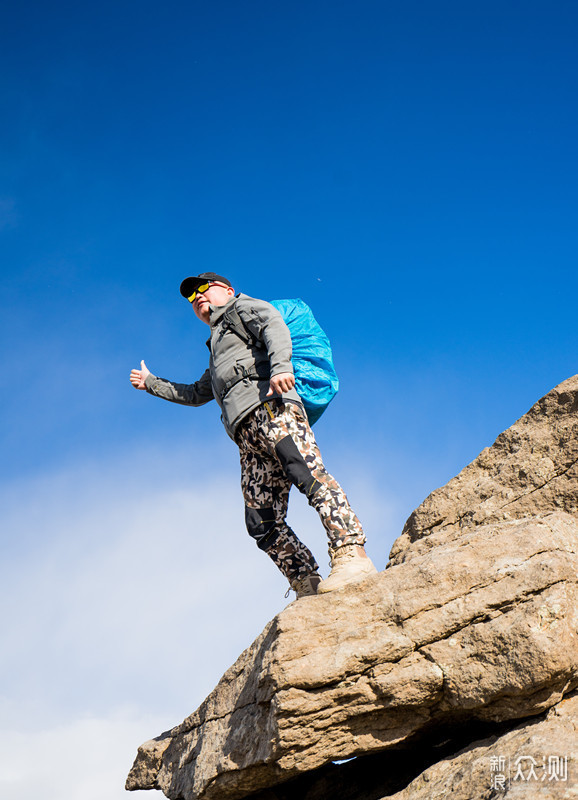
pixel 235 324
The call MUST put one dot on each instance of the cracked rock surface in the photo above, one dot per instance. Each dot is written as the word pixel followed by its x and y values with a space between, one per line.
pixel 532 468
pixel 535 760
pixel 474 619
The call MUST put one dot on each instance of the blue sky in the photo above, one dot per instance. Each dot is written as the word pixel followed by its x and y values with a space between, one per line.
pixel 408 168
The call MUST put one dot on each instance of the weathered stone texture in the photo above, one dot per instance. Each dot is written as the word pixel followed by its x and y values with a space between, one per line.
pixel 456 631
pixel 528 772
pixel 531 469
pixel 474 620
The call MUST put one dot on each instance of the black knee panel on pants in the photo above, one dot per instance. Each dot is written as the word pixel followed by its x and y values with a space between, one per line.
pixel 260 524
pixel 295 467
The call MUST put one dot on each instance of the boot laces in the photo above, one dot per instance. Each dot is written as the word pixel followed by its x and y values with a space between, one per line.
pixel 303 586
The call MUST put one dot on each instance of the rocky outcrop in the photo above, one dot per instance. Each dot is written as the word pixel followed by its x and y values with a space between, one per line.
pixel 471 627
pixel 535 760
pixel 532 468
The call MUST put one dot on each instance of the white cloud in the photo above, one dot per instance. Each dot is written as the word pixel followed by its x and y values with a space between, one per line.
pixel 131 586
pixel 85 759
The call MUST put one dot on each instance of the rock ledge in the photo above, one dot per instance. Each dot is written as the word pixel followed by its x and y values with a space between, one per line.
pixel 473 622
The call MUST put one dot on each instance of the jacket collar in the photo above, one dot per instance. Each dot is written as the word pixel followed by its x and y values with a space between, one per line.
pixel 216 312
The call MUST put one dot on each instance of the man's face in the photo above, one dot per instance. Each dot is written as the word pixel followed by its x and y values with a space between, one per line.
pixel 217 295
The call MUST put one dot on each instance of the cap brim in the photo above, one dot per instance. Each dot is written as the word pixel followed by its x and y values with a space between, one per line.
pixel 190 285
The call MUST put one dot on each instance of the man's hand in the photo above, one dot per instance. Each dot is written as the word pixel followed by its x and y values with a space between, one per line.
pixel 138 376
pixel 282 382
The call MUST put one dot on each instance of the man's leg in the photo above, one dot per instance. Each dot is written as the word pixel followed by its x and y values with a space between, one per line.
pixel 266 494
pixel 291 440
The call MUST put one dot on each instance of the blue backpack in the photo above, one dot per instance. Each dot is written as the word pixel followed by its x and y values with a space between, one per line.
pixel 316 381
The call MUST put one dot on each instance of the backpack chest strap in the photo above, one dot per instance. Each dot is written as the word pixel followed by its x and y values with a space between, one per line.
pixel 247 372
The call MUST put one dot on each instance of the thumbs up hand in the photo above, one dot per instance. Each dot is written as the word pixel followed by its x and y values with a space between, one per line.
pixel 138 376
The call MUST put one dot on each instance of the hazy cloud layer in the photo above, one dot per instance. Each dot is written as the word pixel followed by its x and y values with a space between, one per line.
pixel 130 591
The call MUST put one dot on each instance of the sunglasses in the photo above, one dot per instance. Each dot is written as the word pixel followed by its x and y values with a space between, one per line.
pixel 203 288
pixel 199 290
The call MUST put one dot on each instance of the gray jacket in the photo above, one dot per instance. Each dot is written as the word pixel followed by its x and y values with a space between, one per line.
pixel 239 372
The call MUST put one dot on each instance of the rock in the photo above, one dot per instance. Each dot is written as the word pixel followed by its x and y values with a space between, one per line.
pixel 531 469
pixel 538 759
pixel 473 623
pixel 457 631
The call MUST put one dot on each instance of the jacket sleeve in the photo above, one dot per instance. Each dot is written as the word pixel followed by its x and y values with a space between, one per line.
pixel 193 394
pixel 267 325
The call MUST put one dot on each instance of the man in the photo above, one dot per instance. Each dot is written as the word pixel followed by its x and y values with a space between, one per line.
pixel 251 378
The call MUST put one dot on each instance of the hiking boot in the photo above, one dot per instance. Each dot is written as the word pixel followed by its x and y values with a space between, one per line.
pixel 349 563
pixel 304 587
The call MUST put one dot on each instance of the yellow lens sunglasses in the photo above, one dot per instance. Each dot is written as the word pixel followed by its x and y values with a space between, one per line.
pixel 199 290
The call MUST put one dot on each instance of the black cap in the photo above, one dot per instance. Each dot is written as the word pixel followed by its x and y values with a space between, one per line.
pixel 189 285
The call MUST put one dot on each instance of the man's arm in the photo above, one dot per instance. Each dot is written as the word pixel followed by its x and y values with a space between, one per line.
pixel 139 376
pixel 193 394
pixel 267 325
pixel 282 382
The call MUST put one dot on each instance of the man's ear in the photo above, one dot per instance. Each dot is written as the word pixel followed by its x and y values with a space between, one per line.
pixel 230 291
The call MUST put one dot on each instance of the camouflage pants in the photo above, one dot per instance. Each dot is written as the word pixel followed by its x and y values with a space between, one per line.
pixel 278 449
